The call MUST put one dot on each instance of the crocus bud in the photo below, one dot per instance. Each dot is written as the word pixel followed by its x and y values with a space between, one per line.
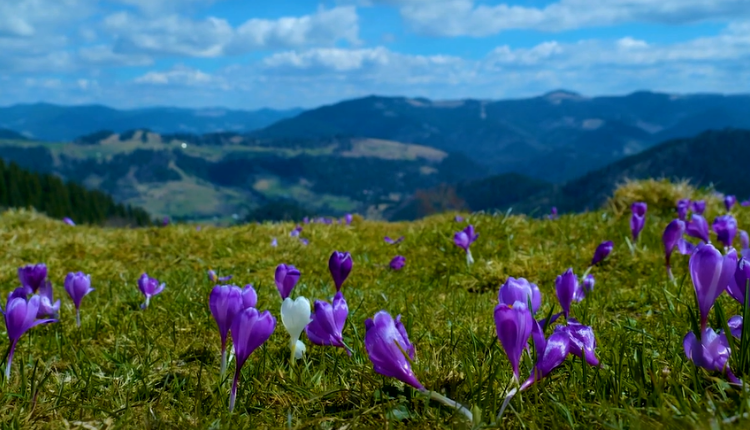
pixel 46 306
pixel 588 283
pixel 328 322
pixel 566 286
pixel 340 265
pixel 295 315
pixel 286 278
pixel 744 240
pixel 348 218
pixel 682 208
pixel 698 228
pixel 699 206
pixel 249 297
pixel 250 329
pixel 513 323
pixel 398 262
pixel 638 219
pixel 671 237
pixel 463 239
pixel 602 252
pixel 711 273
pixel 582 340
pixel 78 286
pixel 386 341
pixel 729 201
pixel 150 287
pixel 69 221
pixel 738 283
pixel 711 352
pixel 20 316
pixel 225 301
pixel 725 227
pixel 520 290
pixel 32 276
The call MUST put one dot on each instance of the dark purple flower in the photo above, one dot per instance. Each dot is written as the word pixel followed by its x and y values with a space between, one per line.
pixel 295 233
pixel 32 276
pixel 745 203
pixel 165 221
pixel 725 227
pixel 78 286
pixel 738 283
pixel 520 290
pixel 744 240
pixel 698 228
pixel 671 238
pixel 682 208
pixel 249 330
pixel 602 251
pixel 398 262
pixel 286 278
pixel 711 273
pixel 46 306
pixel 463 239
pixel 638 219
pixel 68 221
pixel 393 242
pixel 386 341
pixel 735 326
pixel 249 297
pixel 20 316
pixel 149 287
pixel 582 340
pixel 348 218
pixel 225 301
pixel 215 278
pixel 588 283
pixel 304 241
pixel 699 206
pixel 328 322
pixel 550 354
pixel 729 201
pixel 513 323
pixel 340 265
pixel 553 213
pixel 566 286
pixel 711 352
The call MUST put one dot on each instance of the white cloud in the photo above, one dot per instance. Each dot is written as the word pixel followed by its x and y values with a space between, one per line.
pixel 466 18
pixel 155 7
pixel 212 37
pixel 177 76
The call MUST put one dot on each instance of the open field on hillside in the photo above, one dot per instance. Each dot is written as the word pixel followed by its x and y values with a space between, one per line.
pixel 160 367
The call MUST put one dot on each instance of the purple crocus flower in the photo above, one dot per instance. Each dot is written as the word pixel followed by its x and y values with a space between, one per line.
pixel 215 278
pixel 249 330
pixel 735 326
pixel 463 239
pixel 638 219
pixel 520 290
pixel 348 218
pixel 711 273
pixel 274 242
pixel 165 221
pixel 553 213
pixel 398 262
pixel 672 238
pixel 588 283
pixel 729 201
pixel 328 322
pixel 295 233
pixel 550 353
pixel 566 286
pixel 20 316
pixel 602 252
pixel 711 352
pixel 513 323
pixel 78 286
pixel 698 228
pixel 682 208
pixel 286 278
pixel 725 227
pixel 386 341
pixel 46 306
pixel 458 218
pixel 340 265
pixel 699 206
pixel 32 276
pixel 68 221
pixel 225 301
pixel 745 203
pixel 582 340
pixel 306 220
pixel 744 240
pixel 393 242
pixel 150 287
pixel 738 283
pixel 249 297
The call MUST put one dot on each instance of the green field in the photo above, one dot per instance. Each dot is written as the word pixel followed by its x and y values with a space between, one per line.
pixel 159 368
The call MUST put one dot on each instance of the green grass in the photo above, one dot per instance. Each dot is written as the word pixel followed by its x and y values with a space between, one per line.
pixel 159 368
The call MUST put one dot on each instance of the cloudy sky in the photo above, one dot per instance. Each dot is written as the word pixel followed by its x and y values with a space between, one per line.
pixel 284 53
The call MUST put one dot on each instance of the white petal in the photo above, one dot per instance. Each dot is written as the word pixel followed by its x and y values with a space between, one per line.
pixel 299 349
pixel 295 315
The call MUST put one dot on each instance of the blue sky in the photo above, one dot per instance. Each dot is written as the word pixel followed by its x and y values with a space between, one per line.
pixel 250 54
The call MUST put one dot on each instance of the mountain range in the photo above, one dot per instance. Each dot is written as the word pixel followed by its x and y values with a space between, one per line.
pixel 386 157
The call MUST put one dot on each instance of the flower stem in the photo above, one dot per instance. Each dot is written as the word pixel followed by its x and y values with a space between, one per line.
pixel 223 361
pixel 10 359
pixel 233 394
pixel 469 258
pixel 506 401
pixel 78 317
pixel 453 404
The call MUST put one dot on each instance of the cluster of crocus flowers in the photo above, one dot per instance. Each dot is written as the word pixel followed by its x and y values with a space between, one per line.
pixel 250 329
pixel 463 239
pixel 225 302
pixel 20 315
pixel 149 287
pixel 295 314
pixel 637 219
pixel 329 319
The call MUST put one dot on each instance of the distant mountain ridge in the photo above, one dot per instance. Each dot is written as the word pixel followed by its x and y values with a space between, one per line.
pixel 555 137
pixel 50 122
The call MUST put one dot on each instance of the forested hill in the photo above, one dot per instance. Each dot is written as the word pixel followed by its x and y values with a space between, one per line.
pixel 49 194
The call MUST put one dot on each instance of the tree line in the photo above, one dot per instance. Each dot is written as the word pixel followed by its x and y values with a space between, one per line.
pixel 21 188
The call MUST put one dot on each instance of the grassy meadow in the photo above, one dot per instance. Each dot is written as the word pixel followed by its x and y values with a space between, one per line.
pixel 159 368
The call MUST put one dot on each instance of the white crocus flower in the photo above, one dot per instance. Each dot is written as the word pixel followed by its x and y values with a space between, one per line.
pixel 295 315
